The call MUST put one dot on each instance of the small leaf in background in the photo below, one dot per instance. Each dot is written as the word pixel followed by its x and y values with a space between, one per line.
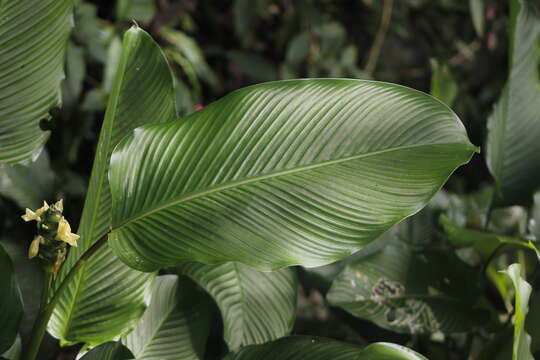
pixel 33 39
pixel 408 292
pixel 477 9
pixel 175 325
pixel 14 352
pixel 108 351
pixel 256 307
pixel 298 49
pixel 75 72
pixel 443 84
pixel 315 348
pixel 258 178
pixel 91 32
pixel 11 306
pixel 253 65
pixel 28 185
pixel 139 10
pixel 246 13
pixel 522 340
pixel 513 151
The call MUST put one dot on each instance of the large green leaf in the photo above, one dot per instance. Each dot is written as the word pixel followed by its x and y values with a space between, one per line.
pixel 108 351
pixel 33 38
pixel 282 173
pixel 314 348
pixel 11 308
pixel 522 341
pixel 176 324
pixel 513 152
pixel 106 297
pixel 409 292
pixel 256 307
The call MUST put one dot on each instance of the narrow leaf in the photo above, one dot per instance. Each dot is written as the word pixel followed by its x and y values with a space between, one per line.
pixel 522 341
pixel 513 152
pixel 176 324
pixel 33 40
pixel 282 173
pixel 142 93
pixel 256 307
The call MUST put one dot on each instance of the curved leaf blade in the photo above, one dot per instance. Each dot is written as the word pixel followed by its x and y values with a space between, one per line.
pixel 406 292
pixel 256 307
pixel 282 173
pixel 176 324
pixel 108 351
pixel 142 93
pixel 522 341
pixel 314 348
pixel 514 127
pixel 11 308
pixel 33 40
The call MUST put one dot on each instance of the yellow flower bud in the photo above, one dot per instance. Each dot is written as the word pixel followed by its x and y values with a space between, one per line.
pixel 33 250
pixel 59 205
pixel 64 233
pixel 34 215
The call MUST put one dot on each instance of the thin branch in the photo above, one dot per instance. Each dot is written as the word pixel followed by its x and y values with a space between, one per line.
pixel 376 47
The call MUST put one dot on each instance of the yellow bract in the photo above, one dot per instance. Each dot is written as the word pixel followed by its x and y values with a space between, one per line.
pixel 64 233
pixel 34 246
pixel 34 215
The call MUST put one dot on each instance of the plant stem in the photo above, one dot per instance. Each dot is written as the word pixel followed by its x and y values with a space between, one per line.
pixel 375 50
pixel 46 309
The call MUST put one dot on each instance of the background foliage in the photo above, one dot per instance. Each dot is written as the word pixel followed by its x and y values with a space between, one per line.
pixel 461 52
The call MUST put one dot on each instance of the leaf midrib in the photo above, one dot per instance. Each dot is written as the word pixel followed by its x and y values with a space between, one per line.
pixel 235 183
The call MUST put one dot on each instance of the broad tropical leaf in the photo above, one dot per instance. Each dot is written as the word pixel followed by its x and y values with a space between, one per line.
pixel 11 308
pixel 142 93
pixel 408 292
pixel 513 151
pixel 522 341
pixel 282 173
pixel 33 40
pixel 256 307
pixel 108 351
pixel 176 324
pixel 314 348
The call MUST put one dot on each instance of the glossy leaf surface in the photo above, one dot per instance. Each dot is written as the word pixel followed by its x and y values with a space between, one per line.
pixel 408 292
pixel 514 127
pixel 33 40
pixel 105 288
pixel 176 324
pixel 256 307
pixel 281 173
pixel 313 348
pixel 11 307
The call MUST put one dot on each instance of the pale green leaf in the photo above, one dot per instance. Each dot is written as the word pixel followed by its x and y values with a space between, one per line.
pixel 107 297
pixel 33 40
pixel 11 307
pixel 282 173
pixel 522 341
pixel 477 9
pixel 314 348
pixel 513 152
pixel 443 84
pixel 256 307
pixel 28 185
pixel 176 324
pixel 410 292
